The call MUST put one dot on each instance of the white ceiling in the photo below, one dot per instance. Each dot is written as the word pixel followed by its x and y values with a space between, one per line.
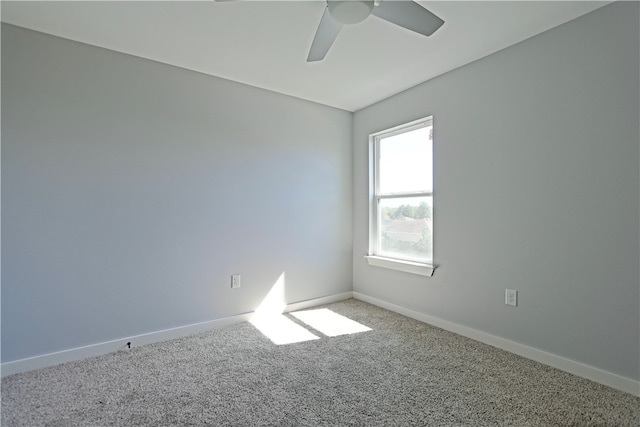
pixel 265 43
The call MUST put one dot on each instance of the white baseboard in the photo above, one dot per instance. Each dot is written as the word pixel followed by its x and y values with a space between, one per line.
pixel 594 374
pixel 580 369
pixel 51 359
pixel 318 301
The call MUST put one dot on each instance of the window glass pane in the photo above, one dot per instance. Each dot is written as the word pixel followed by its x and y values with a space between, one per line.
pixel 405 162
pixel 406 228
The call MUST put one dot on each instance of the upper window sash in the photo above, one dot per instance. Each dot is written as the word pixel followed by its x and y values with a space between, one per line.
pixel 376 140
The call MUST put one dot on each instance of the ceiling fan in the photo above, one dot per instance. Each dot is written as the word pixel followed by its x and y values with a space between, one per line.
pixel 337 13
pixel 406 14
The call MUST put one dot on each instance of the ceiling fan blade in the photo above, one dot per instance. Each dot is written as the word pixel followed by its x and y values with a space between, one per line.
pixel 325 36
pixel 410 15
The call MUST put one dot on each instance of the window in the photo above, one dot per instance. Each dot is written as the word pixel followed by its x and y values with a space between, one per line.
pixel 401 208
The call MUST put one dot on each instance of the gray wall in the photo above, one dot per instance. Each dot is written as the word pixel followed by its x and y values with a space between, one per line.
pixel 536 189
pixel 132 190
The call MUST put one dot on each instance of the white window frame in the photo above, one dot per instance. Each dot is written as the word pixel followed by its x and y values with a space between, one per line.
pixel 407 264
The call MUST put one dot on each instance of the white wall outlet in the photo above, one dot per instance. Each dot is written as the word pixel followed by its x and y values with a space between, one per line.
pixel 511 297
pixel 235 281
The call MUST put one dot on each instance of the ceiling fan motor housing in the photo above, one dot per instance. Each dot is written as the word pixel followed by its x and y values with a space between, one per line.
pixel 350 11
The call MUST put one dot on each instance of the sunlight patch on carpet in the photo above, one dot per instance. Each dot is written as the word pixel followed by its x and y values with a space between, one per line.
pixel 329 322
pixel 281 330
pixel 270 321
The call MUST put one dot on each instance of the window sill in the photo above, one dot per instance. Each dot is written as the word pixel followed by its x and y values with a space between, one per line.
pixel 406 266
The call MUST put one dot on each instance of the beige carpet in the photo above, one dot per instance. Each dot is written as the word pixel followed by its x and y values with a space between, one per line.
pixel 399 373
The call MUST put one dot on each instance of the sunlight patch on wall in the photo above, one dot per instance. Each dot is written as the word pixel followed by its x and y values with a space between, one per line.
pixel 330 323
pixel 273 303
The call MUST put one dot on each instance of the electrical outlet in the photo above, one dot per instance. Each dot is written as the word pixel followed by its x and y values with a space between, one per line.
pixel 235 281
pixel 511 297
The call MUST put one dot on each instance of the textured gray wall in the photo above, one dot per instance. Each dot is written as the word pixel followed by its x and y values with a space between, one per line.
pixel 132 190
pixel 536 189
